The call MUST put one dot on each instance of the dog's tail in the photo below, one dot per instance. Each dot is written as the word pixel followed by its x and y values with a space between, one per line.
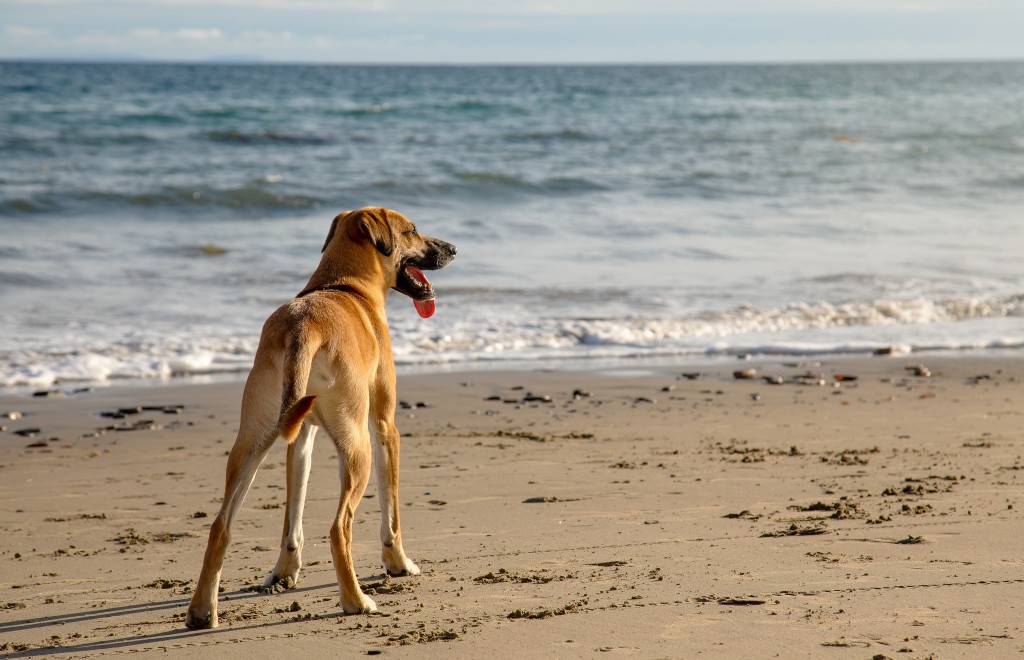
pixel 295 404
pixel 292 418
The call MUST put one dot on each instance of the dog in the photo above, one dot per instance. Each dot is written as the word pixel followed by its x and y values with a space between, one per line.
pixel 324 361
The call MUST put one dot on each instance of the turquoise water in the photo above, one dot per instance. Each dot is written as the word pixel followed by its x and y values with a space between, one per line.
pixel 600 212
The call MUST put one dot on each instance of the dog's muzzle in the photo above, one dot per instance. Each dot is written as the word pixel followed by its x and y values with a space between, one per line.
pixel 411 280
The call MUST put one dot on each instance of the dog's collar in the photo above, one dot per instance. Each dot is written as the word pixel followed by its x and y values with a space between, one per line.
pixel 345 288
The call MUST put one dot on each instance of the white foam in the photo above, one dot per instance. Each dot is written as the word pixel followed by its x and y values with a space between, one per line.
pixel 469 331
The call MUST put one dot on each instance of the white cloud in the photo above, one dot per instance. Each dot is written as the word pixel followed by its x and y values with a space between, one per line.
pixel 184 34
pixel 150 39
pixel 22 32
pixel 199 34
pixel 146 33
pixel 211 42
pixel 262 36
pixel 511 30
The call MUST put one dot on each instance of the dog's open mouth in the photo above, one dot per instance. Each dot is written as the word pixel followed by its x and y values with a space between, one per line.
pixel 413 283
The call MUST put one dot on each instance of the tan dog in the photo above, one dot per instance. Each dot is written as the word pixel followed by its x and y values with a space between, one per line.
pixel 324 360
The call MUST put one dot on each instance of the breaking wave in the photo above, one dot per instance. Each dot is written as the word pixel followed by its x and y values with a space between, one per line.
pixel 453 339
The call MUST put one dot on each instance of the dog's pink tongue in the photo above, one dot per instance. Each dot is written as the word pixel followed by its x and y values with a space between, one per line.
pixel 424 307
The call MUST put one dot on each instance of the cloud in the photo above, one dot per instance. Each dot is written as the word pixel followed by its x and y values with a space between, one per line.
pixel 207 42
pixel 185 34
pixel 199 34
pixel 153 42
pixel 512 30
pixel 27 33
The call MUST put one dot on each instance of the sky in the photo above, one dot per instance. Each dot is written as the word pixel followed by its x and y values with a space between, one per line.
pixel 512 31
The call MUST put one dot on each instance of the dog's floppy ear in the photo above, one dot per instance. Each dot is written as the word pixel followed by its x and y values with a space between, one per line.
pixel 334 227
pixel 374 225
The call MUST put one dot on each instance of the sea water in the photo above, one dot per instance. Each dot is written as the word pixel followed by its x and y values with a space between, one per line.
pixel 153 215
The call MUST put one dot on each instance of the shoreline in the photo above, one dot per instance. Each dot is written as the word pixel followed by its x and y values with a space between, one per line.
pixel 648 515
pixel 606 365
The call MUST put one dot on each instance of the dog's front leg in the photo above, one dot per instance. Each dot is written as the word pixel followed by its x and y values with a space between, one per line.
pixel 386 454
pixel 289 562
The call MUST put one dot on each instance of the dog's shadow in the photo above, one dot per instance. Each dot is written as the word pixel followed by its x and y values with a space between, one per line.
pixel 179 634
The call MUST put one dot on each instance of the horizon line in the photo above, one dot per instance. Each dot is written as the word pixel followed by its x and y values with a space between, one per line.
pixel 252 61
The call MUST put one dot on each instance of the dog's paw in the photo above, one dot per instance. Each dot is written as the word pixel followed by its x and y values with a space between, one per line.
pixel 405 568
pixel 286 572
pixel 276 583
pixel 200 618
pixel 362 604
pixel 396 563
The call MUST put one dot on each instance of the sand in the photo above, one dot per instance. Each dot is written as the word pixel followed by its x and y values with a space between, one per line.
pixel 651 515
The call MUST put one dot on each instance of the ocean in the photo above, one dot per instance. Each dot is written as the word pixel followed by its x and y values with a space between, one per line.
pixel 153 215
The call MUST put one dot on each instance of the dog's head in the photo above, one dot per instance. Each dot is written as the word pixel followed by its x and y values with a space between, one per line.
pixel 400 249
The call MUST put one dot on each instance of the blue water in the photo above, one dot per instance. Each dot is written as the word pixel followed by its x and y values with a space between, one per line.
pixel 600 211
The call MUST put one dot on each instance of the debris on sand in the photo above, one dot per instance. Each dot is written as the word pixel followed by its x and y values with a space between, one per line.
pixel 165 583
pixel 131 537
pixel 387 586
pixel 817 506
pixel 503 575
pixel 741 601
pixel 743 515
pixel 844 509
pixel 543 614
pixel 425 636
pixel 278 586
pixel 910 540
pixel 797 530
pixel 122 413
pixel 171 537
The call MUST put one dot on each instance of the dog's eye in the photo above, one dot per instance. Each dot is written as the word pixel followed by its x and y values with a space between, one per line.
pixel 412 232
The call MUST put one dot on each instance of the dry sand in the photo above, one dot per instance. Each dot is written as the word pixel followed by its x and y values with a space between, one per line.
pixel 717 517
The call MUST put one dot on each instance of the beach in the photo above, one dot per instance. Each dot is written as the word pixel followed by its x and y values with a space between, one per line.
pixel 593 463
pixel 853 507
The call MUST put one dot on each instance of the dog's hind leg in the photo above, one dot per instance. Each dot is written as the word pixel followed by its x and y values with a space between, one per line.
pixel 243 461
pixel 300 458
pixel 386 457
pixel 354 460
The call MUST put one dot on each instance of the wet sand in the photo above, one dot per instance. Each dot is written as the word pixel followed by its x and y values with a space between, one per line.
pixel 650 515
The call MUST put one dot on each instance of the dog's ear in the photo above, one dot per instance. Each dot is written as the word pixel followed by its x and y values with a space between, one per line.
pixel 374 225
pixel 334 227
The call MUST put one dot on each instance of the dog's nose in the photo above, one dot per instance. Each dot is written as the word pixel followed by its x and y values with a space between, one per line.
pixel 452 249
